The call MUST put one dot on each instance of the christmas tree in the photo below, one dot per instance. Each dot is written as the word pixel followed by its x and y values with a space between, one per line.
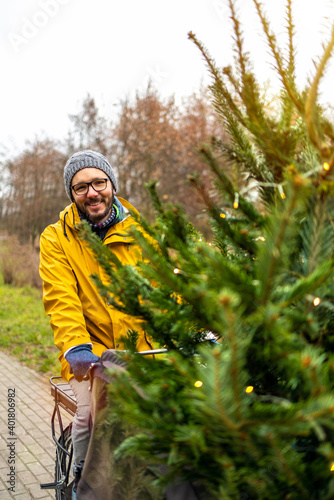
pixel 242 403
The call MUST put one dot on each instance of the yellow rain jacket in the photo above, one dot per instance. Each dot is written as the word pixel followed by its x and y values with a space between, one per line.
pixel 78 313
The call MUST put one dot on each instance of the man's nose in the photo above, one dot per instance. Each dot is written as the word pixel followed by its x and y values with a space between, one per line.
pixel 91 193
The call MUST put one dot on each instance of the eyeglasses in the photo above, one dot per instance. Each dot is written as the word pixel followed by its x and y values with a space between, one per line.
pixel 97 184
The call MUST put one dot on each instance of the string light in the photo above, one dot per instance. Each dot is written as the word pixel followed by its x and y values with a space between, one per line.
pixel 316 301
pixel 198 383
pixel 281 192
pixel 222 215
pixel 326 166
pixel 249 389
pixel 176 271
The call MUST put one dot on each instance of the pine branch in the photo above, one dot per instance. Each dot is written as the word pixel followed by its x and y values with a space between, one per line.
pixel 293 478
pixel 231 336
pixel 312 123
pixel 288 105
pixel 288 84
pixel 242 57
pixel 319 237
pixel 247 208
pixel 228 72
pixel 219 86
pixel 258 123
pixel 239 238
pixel 308 284
pixel 291 34
pixel 278 240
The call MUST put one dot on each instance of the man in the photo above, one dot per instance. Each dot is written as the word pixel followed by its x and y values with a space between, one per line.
pixel 84 324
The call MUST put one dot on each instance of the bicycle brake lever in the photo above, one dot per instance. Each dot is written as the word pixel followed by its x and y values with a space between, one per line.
pixel 87 374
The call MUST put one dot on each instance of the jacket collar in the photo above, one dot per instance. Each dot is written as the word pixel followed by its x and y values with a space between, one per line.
pixel 70 215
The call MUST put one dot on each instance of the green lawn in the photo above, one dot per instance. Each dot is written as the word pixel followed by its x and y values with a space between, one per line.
pixel 25 331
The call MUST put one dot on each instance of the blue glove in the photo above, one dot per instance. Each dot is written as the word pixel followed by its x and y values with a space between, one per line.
pixel 80 359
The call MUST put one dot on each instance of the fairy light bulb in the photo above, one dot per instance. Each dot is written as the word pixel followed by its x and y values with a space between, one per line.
pixel 249 389
pixel 281 192
pixel 332 467
pixel 316 301
pixel 198 383
pixel 326 166
pixel 176 271
pixel 222 215
pixel 236 201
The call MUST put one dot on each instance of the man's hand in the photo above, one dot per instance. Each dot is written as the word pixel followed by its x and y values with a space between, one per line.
pixel 80 358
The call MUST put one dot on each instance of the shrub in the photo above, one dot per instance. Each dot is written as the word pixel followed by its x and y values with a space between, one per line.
pixel 19 263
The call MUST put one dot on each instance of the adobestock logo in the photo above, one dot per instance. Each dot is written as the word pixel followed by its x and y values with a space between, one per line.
pixel 30 27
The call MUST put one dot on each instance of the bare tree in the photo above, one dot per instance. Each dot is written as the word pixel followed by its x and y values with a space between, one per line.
pixel 35 193
pixel 157 140
pixel 152 139
pixel 90 129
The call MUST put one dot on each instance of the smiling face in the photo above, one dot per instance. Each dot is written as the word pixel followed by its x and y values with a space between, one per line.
pixel 95 206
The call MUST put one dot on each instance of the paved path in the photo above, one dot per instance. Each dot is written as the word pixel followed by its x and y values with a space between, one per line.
pixel 29 444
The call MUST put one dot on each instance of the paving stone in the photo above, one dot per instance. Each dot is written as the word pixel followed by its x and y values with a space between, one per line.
pixel 27 424
pixel 36 468
pixel 36 491
pixel 20 431
pixel 2 488
pixel 3 443
pixel 47 459
pixel 34 447
pixel 27 457
pixel 27 438
pixel 3 474
pixel 22 496
pixel 19 489
pixel 27 477
pixel 21 466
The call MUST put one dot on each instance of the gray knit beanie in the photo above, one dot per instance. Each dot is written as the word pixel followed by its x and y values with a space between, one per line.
pixel 84 159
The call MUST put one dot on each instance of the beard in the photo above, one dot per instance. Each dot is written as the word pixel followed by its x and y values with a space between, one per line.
pixel 95 219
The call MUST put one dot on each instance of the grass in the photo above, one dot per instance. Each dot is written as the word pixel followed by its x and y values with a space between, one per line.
pixel 25 331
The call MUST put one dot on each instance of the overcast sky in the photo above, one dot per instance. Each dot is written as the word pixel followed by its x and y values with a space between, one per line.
pixel 54 52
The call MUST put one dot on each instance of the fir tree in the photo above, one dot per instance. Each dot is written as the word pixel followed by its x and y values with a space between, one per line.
pixel 252 415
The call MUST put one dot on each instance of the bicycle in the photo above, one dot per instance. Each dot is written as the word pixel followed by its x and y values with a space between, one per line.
pixel 64 478
pixel 64 399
